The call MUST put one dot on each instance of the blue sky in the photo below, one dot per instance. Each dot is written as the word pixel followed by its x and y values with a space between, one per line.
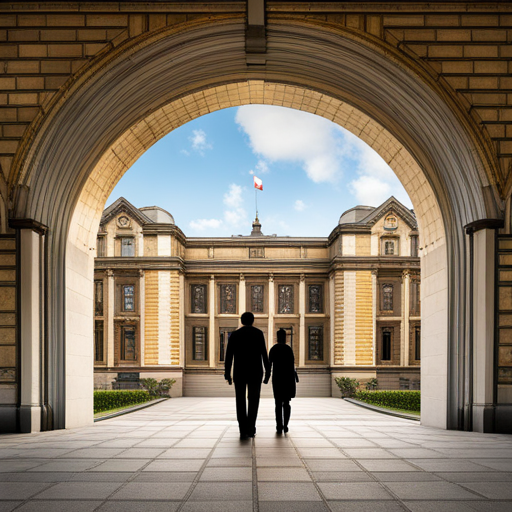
pixel 312 171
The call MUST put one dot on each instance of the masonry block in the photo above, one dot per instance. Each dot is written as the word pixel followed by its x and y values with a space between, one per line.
pixel 92 35
pixel 483 83
pixel 451 51
pixel 491 67
pixel 454 35
pixel 30 82
pixel 22 67
pixel 31 20
pixel 8 51
pixel 403 21
pixel 33 50
pixel 66 20
pixel 58 35
pixel 107 20
pixel 7 83
pixel 457 67
pixel 65 50
pixel 480 20
pixel 23 35
pixel 481 51
pixel 55 66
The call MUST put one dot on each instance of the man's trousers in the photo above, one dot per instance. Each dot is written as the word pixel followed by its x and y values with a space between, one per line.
pixel 247 416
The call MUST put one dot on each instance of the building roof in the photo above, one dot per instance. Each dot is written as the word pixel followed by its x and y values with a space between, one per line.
pixel 157 214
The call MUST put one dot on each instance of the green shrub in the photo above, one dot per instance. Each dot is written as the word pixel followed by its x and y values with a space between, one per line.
pixel 405 400
pixel 106 400
pixel 348 386
pixel 157 388
pixel 372 384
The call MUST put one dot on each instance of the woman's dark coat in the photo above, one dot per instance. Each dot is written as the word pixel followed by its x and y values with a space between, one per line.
pixel 283 371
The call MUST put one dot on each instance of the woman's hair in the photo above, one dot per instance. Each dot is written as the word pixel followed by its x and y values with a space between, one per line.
pixel 281 336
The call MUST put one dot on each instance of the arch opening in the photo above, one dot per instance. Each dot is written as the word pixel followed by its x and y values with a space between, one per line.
pixel 133 100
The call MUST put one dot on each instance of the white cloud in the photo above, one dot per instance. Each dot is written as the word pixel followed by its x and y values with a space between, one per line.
pixel 235 215
pixel 204 224
pixel 262 167
pixel 199 142
pixel 299 205
pixel 370 191
pixel 278 133
pixel 233 197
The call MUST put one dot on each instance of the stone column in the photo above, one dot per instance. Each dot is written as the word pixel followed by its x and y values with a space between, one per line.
pixel 182 319
pixel 271 309
pixel 374 314
pixel 31 243
pixel 406 280
pixel 211 327
pixel 109 320
pixel 302 320
pixel 241 295
pixel 142 313
pixel 331 318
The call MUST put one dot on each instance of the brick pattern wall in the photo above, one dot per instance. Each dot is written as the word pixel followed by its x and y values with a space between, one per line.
pixel 151 318
pixel 8 377
pixel 175 317
pixel 364 319
pixel 339 292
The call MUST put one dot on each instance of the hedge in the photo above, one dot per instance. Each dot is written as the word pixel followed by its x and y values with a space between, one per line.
pixel 106 400
pixel 405 400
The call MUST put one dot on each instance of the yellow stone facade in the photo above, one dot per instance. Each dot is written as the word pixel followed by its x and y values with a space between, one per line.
pixel 166 303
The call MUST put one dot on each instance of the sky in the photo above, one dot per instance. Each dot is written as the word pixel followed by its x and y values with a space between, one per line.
pixel 312 171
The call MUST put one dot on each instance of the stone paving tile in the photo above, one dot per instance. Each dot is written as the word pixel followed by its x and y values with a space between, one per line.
pixel 9 466
pixel 387 465
pixel 408 476
pixel 312 443
pixel 92 453
pixel 161 442
pixel 321 453
pixel 167 476
pixel 416 453
pixel 196 443
pixel 354 491
pixel 440 465
pixel 228 453
pixel 493 490
pixel 59 506
pixel 227 474
pixel 427 490
pixel 230 462
pixel 152 491
pixel 7 506
pixel 100 477
pixel 332 465
pixel 283 475
pixel 477 477
pixel 20 490
pixel 500 465
pixel 41 453
pixel 184 453
pixel 121 465
pixel 354 443
pixel 365 506
pixel 369 453
pixel 446 506
pixel 79 491
pixel 134 506
pixel 293 506
pixel 35 477
pixel 287 491
pixel 342 476
pixel 284 461
pixel 219 506
pixel 65 466
pixel 174 465
pixel 222 491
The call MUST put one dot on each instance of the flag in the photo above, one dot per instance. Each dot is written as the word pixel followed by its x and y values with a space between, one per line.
pixel 258 183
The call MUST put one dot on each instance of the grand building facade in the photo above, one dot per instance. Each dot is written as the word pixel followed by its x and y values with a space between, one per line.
pixel 165 304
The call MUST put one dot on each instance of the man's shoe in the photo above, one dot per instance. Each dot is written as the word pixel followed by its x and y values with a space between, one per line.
pixel 251 435
pixel 279 430
pixel 285 429
pixel 243 437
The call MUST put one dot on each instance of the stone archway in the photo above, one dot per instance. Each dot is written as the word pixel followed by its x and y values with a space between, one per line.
pixel 128 100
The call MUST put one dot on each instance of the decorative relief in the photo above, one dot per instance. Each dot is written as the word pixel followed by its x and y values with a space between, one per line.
pixel 210 253
pixel 7 375
pixel 198 298
pixel 256 252
pixel 228 299
pixel 124 222
pixel 285 299
pixel 257 298
pixel 391 222
pixel 315 298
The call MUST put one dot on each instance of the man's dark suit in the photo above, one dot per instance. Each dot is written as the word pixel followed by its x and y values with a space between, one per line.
pixel 247 347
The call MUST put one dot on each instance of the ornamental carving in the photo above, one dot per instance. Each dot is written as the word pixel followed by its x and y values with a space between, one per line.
pixel 198 298
pixel 228 299
pixel 256 252
pixel 285 299
pixel 124 221
pixel 387 297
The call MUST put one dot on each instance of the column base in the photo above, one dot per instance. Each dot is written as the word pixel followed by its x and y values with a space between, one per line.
pixel 8 419
pixel 30 419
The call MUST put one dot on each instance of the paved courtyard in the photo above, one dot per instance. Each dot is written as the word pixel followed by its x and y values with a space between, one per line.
pixel 184 455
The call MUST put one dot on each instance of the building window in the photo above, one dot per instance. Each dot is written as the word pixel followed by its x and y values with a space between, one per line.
pixel 98 340
pixel 415 298
pixel 199 344
pixel 285 299
pixel 127 246
pixel 128 352
pixel 414 246
pixel 417 343
pixel 386 344
pixel 225 333
pixel 387 297
pixel 316 344
pixel 316 298
pixel 198 298
pixel 228 299
pixel 128 297
pixel 257 291
pixel 100 247
pixel 389 247
pixel 98 298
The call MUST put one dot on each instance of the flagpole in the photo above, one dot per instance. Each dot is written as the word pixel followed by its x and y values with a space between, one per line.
pixel 256 200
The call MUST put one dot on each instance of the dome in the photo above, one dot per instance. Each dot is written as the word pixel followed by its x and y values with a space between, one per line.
pixel 157 215
pixel 355 215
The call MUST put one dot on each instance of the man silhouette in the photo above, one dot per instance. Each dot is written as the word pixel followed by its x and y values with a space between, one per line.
pixel 246 346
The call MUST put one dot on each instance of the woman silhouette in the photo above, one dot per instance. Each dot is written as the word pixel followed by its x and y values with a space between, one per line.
pixel 283 380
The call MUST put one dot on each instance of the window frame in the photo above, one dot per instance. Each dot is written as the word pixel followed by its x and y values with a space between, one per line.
pixel 123 245
pixel 386 337
pixel 197 328
pixel 320 301
pixel 99 344
pixel 192 296
pixel 125 296
pixel 320 346
pixel 123 344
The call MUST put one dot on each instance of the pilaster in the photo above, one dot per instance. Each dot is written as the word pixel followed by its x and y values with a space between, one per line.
pixel 211 326
pixel 110 317
pixel 271 309
pixel 406 285
pixel 302 320
pixel 241 295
